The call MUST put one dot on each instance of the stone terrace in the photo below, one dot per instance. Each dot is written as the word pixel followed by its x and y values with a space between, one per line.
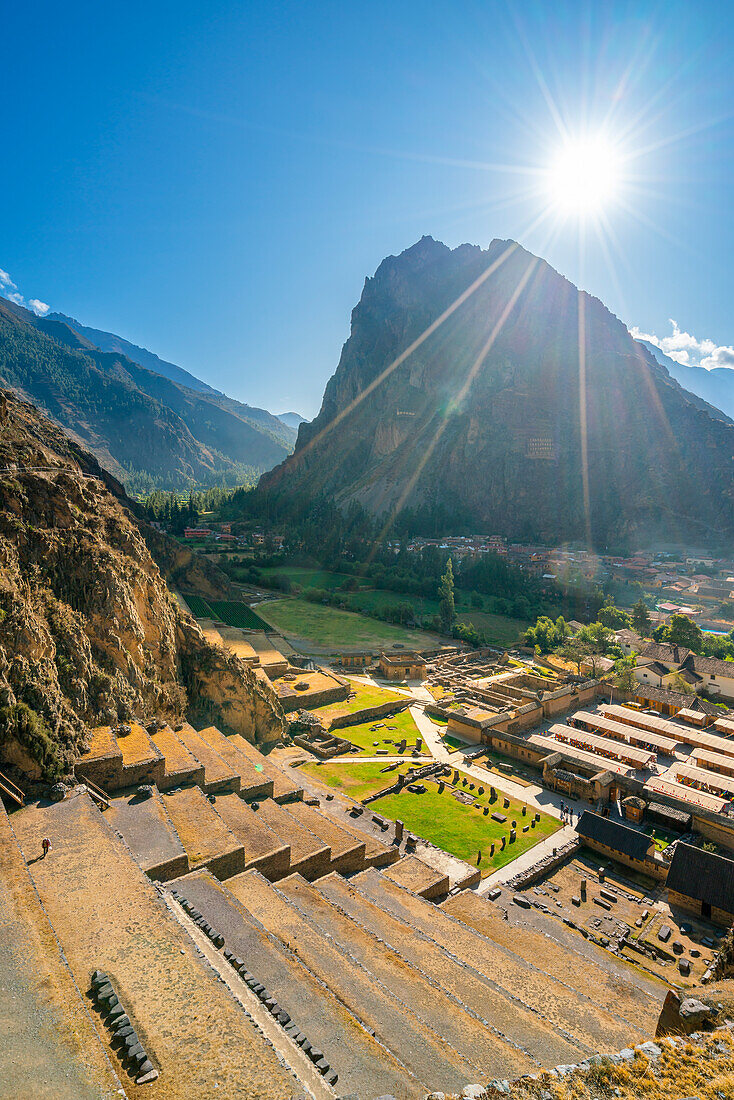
pixel 253 782
pixel 360 1061
pixel 50 1047
pixel 401 1027
pixel 107 915
pixel 309 855
pixel 417 876
pixel 264 848
pixel 205 837
pixel 347 853
pixel 218 775
pixel 591 1022
pixel 181 765
pixel 149 833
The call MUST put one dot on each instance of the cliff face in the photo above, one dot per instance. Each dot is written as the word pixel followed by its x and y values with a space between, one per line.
pixel 497 417
pixel 88 630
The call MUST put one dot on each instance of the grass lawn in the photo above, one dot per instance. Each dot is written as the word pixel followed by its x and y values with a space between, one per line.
pixel 463 830
pixel 365 695
pixel 338 630
pixel 459 829
pixel 499 629
pixel 377 598
pixel 355 780
pixel 395 727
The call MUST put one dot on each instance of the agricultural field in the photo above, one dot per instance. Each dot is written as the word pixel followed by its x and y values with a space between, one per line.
pixel 230 612
pixel 499 630
pixel 307 578
pixel 199 607
pixel 330 630
pixel 237 614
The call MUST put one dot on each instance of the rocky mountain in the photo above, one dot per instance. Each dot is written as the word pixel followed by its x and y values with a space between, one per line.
pixel 462 389
pixel 141 425
pixel 89 632
pixel 716 386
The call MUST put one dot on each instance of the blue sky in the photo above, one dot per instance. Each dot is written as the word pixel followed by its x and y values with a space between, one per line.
pixel 214 181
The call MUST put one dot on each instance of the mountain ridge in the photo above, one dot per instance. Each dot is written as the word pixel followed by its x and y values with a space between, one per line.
pixel 140 424
pixel 484 415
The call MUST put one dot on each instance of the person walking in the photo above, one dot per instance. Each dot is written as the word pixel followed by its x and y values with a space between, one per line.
pixel 45 844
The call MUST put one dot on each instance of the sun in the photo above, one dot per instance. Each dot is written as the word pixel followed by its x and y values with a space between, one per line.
pixel 583 178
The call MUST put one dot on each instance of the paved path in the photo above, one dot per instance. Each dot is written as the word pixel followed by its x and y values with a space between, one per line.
pixel 527 859
pixel 534 795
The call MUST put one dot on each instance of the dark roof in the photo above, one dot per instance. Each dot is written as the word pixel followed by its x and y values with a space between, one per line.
pixel 613 835
pixel 631 637
pixel 710 665
pixel 656 811
pixel 658 668
pixel 663 651
pixel 702 875
pixel 677 699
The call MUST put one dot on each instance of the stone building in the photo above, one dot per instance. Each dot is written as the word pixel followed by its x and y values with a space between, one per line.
pixel 403 666
pixel 618 842
pixel 702 883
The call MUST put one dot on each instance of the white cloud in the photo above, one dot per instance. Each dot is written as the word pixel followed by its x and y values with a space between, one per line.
pixel 685 348
pixel 9 290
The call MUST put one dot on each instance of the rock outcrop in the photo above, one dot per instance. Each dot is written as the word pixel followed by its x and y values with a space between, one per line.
pixel 482 387
pixel 89 632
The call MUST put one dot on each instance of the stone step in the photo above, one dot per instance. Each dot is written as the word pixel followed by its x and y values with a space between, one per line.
pixel 434 1061
pixel 253 783
pixel 581 1020
pixel 377 854
pixel 285 789
pixel 519 1026
pixel 218 776
pixel 205 837
pixel 363 1065
pixel 181 766
pixel 458 1005
pixel 264 849
pixel 416 876
pixel 310 857
pixel 107 915
pixel 347 853
pixel 149 834
pixel 569 958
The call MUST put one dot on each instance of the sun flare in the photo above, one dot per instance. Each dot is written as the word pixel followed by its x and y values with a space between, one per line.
pixel 584 176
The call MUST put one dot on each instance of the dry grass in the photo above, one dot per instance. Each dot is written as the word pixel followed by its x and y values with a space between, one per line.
pixel 702 1067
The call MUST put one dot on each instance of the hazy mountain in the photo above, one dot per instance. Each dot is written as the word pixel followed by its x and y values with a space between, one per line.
pixel 292 420
pixel 108 341
pixel 714 386
pixel 140 424
pixel 492 420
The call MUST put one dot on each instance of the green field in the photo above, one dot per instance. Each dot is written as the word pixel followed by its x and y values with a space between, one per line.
pixel 498 629
pixel 200 609
pixel 355 780
pixel 462 830
pixel 335 630
pixel 307 578
pixel 237 614
pixel 365 695
pixel 395 727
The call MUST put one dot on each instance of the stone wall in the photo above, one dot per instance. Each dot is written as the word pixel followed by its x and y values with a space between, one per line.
pixel 369 714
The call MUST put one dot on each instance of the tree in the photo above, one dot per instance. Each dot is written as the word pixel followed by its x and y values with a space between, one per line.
pixel 446 604
pixel 680 630
pixel 613 617
pixel 546 634
pixel 624 673
pixel 641 620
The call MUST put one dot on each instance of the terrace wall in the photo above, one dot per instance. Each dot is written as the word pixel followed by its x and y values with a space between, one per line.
pixel 369 714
